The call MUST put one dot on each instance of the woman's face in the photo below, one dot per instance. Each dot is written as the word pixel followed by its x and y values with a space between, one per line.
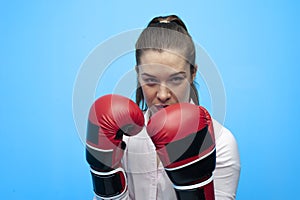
pixel 165 79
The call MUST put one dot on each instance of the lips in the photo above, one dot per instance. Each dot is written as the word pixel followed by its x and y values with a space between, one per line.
pixel 157 107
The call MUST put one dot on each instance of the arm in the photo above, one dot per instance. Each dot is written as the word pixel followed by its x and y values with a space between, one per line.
pixel 110 117
pixel 227 172
pixel 184 138
pixel 125 196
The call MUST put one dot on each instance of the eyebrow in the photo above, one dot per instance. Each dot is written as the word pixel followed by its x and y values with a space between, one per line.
pixel 143 74
pixel 178 73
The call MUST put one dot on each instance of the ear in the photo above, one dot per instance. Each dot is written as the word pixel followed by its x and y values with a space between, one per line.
pixel 194 72
pixel 136 69
pixel 137 73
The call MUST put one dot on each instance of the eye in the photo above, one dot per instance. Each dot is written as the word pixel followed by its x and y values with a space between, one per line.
pixel 176 80
pixel 150 81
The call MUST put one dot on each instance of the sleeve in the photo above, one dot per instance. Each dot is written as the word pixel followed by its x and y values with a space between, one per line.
pixel 227 172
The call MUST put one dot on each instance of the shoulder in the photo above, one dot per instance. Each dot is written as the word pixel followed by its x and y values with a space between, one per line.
pixel 223 136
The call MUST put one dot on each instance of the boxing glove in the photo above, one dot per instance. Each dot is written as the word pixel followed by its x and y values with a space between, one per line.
pixel 184 139
pixel 110 117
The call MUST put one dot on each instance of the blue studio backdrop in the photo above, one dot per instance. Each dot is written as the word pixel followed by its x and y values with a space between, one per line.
pixel 254 46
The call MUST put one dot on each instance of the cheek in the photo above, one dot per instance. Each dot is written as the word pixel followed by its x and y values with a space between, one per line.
pixel 182 93
pixel 149 93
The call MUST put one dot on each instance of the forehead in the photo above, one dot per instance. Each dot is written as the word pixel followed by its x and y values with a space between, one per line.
pixel 162 61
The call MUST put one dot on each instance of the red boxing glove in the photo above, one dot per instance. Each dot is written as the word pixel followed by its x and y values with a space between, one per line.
pixel 110 117
pixel 184 138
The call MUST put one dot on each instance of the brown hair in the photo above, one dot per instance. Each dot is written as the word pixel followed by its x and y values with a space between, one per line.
pixel 166 33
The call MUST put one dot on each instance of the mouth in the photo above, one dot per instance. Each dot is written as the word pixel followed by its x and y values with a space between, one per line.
pixel 157 107
pixel 160 106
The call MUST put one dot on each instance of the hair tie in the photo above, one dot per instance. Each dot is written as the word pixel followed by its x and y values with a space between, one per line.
pixel 164 21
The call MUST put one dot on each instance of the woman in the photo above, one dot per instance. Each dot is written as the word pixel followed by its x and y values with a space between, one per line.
pixel 166 70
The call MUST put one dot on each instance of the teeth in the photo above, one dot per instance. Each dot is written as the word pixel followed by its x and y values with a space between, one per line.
pixel 161 106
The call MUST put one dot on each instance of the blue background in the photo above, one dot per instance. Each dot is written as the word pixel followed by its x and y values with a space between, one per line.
pixel 255 45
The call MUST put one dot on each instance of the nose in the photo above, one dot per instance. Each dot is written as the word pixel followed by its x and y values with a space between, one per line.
pixel 163 93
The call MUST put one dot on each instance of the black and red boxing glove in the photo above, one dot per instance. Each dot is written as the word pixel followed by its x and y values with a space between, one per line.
pixel 184 138
pixel 110 117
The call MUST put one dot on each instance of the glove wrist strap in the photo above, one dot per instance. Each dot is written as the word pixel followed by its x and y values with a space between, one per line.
pixel 199 191
pixel 108 185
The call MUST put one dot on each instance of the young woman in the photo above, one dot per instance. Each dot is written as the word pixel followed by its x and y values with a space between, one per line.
pixel 166 70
